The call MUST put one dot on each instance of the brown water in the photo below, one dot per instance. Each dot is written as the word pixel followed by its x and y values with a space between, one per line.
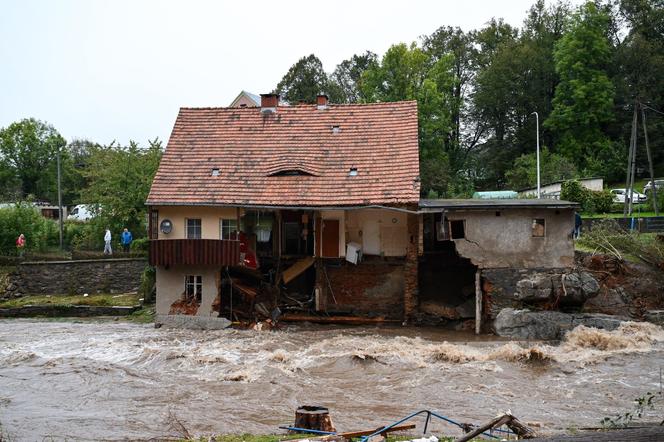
pixel 110 380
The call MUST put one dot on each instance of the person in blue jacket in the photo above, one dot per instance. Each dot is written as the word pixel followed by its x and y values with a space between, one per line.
pixel 126 239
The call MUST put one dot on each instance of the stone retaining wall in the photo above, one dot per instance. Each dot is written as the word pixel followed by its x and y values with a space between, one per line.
pixel 77 277
pixel 66 310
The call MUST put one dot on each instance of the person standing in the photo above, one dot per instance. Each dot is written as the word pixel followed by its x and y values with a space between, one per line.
pixel 107 243
pixel 578 222
pixel 20 245
pixel 126 240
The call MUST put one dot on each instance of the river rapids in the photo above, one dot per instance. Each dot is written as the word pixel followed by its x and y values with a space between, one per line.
pixel 96 380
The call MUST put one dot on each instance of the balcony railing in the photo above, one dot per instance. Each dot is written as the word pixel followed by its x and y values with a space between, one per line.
pixel 168 252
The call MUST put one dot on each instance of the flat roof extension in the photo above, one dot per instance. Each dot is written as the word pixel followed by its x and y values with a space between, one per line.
pixel 435 205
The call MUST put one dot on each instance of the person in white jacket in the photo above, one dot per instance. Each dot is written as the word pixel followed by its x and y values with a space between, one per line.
pixel 107 243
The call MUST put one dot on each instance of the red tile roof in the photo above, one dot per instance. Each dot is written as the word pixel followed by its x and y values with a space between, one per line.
pixel 250 149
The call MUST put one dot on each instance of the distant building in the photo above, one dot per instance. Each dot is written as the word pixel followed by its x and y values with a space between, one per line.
pixel 496 195
pixel 246 99
pixel 552 190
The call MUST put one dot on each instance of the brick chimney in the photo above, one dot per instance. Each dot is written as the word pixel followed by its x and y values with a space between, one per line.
pixel 269 102
pixel 321 101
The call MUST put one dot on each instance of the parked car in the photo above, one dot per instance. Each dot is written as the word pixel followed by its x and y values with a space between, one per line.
pixel 659 184
pixel 619 196
pixel 81 212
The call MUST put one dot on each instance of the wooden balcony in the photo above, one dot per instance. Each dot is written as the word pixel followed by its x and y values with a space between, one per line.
pixel 169 252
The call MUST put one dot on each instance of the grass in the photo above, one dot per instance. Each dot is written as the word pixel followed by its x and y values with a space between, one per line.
pixel 97 300
pixel 142 316
pixel 636 214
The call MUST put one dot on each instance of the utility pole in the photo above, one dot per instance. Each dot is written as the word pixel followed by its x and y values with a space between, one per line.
pixel 60 203
pixel 652 172
pixel 631 166
pixel 539 187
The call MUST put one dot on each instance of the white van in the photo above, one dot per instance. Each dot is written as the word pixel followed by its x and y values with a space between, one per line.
pixel 81 212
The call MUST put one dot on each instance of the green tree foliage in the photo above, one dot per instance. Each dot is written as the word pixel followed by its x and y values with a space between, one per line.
pixel 119 182
pixel 305 80
pixel 553 167
pixel 28 150
pixel 348 75
pixel 409 73
pixel 583 101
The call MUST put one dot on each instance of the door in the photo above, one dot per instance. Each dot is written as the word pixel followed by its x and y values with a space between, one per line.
pixel 330 238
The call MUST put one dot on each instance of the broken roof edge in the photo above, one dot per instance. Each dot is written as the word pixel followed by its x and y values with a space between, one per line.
pixel 435 205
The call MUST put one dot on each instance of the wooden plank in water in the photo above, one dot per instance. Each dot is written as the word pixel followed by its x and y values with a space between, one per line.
pixel 291 317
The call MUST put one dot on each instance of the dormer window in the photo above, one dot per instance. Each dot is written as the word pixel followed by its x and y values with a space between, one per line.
pixel 291 172
pixel 215 172
pixel 336 129
pixel 352 171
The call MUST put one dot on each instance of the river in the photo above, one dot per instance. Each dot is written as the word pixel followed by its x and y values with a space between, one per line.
pixel 95 380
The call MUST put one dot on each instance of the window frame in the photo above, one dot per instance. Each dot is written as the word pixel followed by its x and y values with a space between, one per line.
pixel 451 229
pixel 535 222
pixel 193 288
pixel 232 225
pixel 200 228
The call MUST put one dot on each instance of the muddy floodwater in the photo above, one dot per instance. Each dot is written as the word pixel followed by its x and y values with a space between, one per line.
pixel 113 380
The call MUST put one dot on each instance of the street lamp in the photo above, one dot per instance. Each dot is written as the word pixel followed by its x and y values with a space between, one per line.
pixel 539 190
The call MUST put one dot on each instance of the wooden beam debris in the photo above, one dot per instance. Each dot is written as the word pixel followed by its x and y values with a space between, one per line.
pixel 506 419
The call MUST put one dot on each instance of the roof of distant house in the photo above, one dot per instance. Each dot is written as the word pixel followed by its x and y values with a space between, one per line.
pixel 253 97
pixel 436 205
pixel 341 155
pixel 581 180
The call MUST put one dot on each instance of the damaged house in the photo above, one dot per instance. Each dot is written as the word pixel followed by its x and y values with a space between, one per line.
pixel 313 212
pixel 307 208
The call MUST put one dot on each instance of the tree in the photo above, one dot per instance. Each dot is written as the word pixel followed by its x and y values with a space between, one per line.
pixel 348 74
pixel 408 73
pixel 553 167
pixel 305 80
pixel 28 150
pixel 583 101
pixel 119 183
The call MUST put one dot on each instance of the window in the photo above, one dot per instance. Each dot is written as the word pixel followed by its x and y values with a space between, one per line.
pixel 193 288
pixel 538 227
pixel 228 229
pixel 336 129
pixel 458 229
pixel 193 228
pixel 154 224
pixel 352 171
pixel 215 172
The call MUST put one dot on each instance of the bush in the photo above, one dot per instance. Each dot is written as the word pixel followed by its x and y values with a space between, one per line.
pixel 591 201
pixel 660 201
pixel 148 281
pixel 40 233
pixel 141 245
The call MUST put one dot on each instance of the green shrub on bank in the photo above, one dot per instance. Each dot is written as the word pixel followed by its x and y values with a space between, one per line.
pixel 148 281
pixel 40 233
pixel 591 201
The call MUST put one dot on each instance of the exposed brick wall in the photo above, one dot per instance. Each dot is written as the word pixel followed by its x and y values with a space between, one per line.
pixel 371 288
pixel 410 302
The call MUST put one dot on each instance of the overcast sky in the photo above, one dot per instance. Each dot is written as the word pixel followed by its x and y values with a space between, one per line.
pixel 106 70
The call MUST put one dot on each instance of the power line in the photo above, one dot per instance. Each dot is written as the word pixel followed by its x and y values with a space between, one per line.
pixel 648 107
